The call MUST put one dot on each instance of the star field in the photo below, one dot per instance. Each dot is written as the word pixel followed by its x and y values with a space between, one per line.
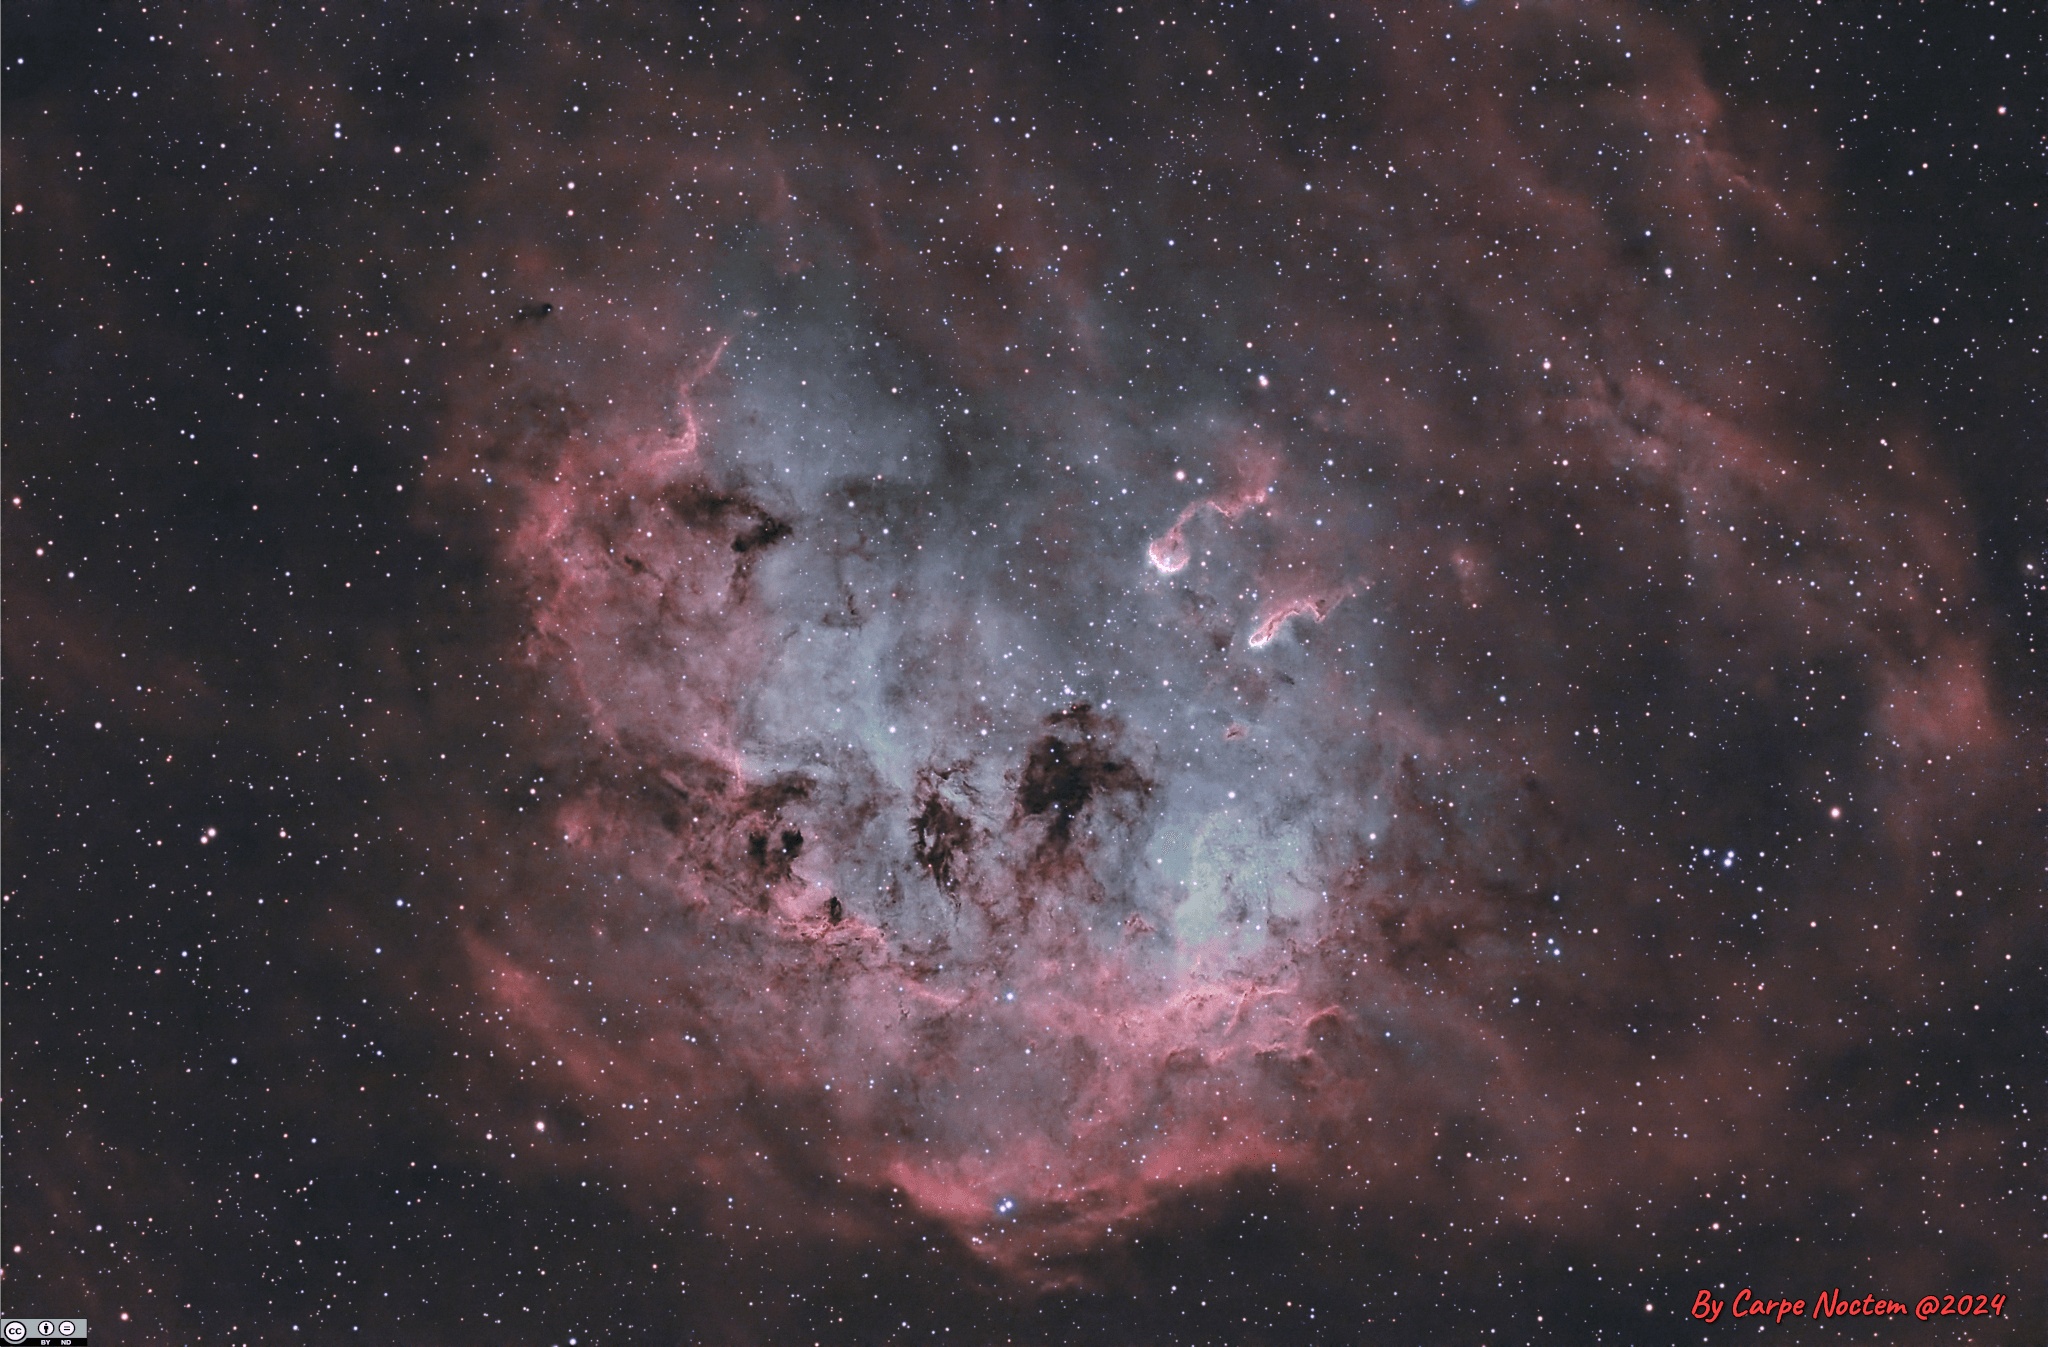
pixel 1153 673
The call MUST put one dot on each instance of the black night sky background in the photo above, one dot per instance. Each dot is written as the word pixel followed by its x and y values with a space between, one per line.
pixel 1041 673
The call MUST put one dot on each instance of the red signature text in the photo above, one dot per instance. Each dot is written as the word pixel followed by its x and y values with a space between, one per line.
pixel 1831 1303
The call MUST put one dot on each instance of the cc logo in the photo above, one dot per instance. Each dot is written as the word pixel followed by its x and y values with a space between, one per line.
pixel 15 1331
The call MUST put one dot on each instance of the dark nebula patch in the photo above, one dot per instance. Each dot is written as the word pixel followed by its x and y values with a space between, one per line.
pixel 773 851
pixel 1071 767
pixel 943 838
pixel 763 534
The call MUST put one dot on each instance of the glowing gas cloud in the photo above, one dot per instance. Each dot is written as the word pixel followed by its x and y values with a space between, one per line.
pixel 1081 646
